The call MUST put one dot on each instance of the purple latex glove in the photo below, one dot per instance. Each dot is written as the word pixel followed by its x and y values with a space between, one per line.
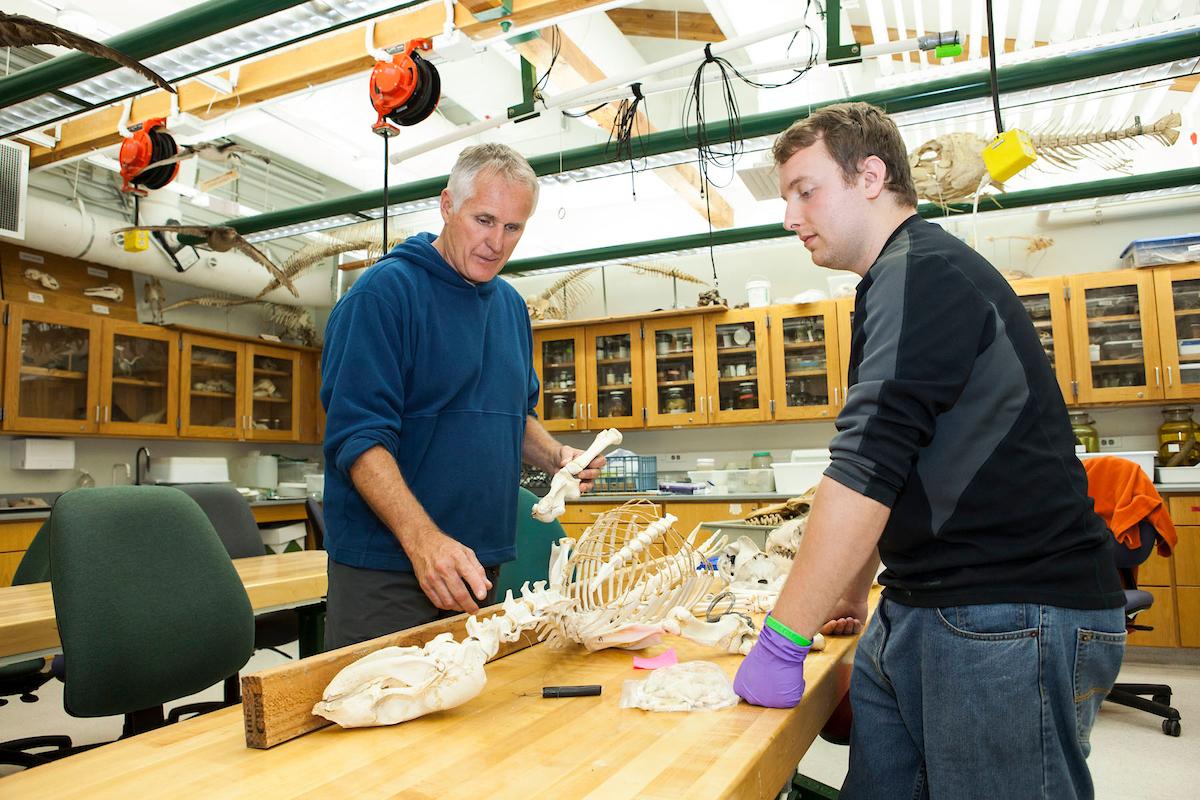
pixel 772 675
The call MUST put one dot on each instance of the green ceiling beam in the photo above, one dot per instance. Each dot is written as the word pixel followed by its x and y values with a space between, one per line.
pixel 1010 200
pixel 1047 72
pixel 151 39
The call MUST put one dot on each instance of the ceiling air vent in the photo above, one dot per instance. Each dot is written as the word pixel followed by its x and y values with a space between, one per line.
pixel 762 180
pixel 14 183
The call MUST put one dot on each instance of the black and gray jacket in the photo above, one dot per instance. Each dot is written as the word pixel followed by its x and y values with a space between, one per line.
pixel 955 421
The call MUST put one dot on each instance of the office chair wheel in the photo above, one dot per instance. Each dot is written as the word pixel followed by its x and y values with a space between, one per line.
pixel 1171 727
pixel 29 698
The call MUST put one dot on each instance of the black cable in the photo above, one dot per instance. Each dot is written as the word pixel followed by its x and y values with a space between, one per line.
pixel 555 49
pixel 385 195
pixel 581 114
pixel 992 68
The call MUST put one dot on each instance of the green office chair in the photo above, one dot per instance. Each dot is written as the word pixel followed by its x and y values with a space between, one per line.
pixel 533 548
pixel 26 677
pixel 149 606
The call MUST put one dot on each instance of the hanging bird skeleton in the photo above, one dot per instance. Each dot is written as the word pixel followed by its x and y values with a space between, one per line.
pixel 293 322
pixel 17 30
pixel 950 168
pixel 362 236
pixel 560 298
pixel 221 239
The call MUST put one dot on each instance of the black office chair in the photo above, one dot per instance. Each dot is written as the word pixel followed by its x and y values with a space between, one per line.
pixel 230 514
pixel 1134 695
pixel 148 605
pixel 24 678
pixel 314 521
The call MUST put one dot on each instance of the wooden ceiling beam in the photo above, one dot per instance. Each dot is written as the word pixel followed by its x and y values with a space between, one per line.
pixel 574 69
pixel 338 55
pixel 692 26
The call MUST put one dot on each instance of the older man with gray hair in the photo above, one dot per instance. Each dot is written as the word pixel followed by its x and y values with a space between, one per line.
pixel 429 391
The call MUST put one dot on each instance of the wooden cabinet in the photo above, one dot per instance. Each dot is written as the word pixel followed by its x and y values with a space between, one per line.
pixel 557 359
pixel 312 413
pixel 614 386
pixel 1161 617
pixel 1189 615
pixel 1187 556
pixel 235 390
pixel 139 386
pixel 676 383
pixel 808 375
pixel 737 364
pixel 53 371
pixel 1174 582
pixel 1114 336
pixel 1177 297
pixel 1045 299
pixel 15 537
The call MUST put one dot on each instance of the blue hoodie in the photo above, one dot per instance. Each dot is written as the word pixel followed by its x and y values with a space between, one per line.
pixel 440 373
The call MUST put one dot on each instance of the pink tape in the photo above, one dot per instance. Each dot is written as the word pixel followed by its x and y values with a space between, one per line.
pixel 666 658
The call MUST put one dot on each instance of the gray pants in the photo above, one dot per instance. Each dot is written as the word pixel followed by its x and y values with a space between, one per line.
pixel 364 603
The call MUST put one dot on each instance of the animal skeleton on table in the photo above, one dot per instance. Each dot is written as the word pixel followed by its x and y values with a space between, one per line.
pixel 221 239
pixel 950 168
pixel 629 580
pixel 17 30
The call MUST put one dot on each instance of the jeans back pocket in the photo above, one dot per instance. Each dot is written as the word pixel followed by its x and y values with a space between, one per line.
pixel 1098 656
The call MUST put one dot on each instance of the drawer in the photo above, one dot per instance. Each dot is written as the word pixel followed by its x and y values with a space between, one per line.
pixel 1160 616
pixel 1189 616
pixel 1156 571
pixel 1187 556
pixel 1184 509
pixel 17 535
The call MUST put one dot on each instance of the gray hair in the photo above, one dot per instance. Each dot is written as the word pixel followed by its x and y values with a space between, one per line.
pixel 497 159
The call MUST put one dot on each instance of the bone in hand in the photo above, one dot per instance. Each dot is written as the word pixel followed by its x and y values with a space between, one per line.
pixel 564 485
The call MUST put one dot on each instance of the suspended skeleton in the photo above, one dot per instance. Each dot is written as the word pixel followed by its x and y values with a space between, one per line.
pixel 221 239
pixel 366 236
pixel 154 296
pixel 560 298
pixel 19 31
pixel 628 580
pixel 294 322
pixel 950 168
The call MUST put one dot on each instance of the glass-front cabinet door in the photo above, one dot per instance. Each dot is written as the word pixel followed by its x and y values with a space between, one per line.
pixel 139 388
pixel 1045 299
pixel 212 404
pixel 615 395
pixel 844 311
pixel 676 385
pixel 806 362
pixel 53 378
pixel 273 412
pixel 1177 295
pixel 737 363
pixel 1114 336
pixel 558 360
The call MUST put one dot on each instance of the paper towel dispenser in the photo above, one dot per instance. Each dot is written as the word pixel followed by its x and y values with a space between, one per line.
pixel 42 454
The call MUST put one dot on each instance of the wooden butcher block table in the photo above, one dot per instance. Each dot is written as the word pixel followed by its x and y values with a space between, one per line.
pixel 500 744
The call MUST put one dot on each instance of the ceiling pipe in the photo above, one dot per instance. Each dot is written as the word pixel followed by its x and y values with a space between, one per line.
pixel 156 37
pixel 1001 202
pixel 1060 69
pixel 84 232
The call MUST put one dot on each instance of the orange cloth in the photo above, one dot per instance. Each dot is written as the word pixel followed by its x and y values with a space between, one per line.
pixel 1124 496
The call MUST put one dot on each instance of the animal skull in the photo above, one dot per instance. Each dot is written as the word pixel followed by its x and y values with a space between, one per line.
pixel 47 280
pixel 564 485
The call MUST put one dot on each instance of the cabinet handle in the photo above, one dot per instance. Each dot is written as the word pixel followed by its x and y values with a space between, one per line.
pixel 712 409
pixel 575 410
pixel 1170 380
pixel 701 401
pixel 97 414
pixel 107 413
pixel 589 416
pixel 1157 377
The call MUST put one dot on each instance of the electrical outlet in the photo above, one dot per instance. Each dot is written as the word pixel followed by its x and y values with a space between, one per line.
pixel 1111 442
pixel 675 457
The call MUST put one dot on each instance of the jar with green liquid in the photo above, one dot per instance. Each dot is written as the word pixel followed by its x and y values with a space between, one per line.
pixel 1178 438
pixel 1084 428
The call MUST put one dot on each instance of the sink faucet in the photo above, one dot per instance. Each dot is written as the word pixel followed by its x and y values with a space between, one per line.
pixel 137 465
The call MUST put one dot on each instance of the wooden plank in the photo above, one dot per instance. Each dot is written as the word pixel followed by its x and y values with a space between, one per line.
pixel 277 703
pixel 291 512
pixel 694 26
pixel 73 277
pixel 501 744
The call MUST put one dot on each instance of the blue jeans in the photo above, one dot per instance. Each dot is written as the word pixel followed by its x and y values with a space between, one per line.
pixel 979 701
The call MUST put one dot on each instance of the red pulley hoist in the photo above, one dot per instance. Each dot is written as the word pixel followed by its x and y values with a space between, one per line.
pixel 149 144
pixel 404 90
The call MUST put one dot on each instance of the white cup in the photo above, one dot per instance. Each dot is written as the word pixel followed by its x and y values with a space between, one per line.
pixel 741 369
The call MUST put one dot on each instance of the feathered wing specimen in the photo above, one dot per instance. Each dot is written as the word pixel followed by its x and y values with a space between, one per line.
pixel 17 30
pixel 362 236
pixel 221 238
